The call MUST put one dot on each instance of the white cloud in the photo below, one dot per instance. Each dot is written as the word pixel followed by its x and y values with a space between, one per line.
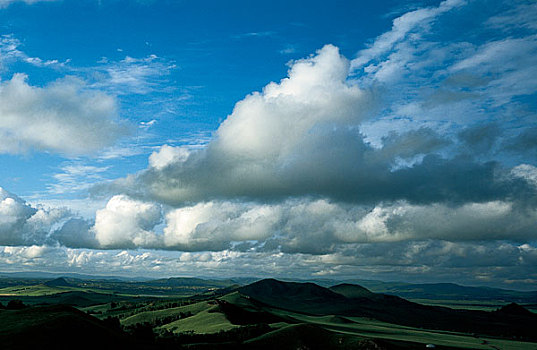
pixel 289 178
pixel 61 117
pixel 131 75
pixel 10 52
pixel 271 124
pixel 76 177
pixel 167 155
pixel 214 225
pixel 305 226
pixel 502 264
pixel 521 16
pixel 527 172
pixel 302 126
pixel 402 26
pixel 127 223
pixel 22 224
pixel 507 62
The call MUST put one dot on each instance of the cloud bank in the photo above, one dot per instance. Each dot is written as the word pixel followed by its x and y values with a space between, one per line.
pixel 411 157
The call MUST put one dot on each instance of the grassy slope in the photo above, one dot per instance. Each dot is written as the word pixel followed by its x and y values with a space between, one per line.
pixel 364 327
pixel 236 298
pixel 206 321
pixel 151 316
pixel 37 290
pixel 303 336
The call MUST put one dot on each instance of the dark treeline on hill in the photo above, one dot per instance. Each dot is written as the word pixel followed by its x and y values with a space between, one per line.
pixel 267 314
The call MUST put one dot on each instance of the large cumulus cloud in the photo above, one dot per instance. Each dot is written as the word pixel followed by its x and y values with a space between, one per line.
pixel 291 169
pixel 301 137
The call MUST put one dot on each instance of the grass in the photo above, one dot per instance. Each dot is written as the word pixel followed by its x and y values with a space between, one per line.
pixel 205 317
pixel 369 328
pixel 35 290
pixel 206 321
pixel 151 316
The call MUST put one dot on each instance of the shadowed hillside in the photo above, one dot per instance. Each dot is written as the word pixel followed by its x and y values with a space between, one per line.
pixel 351 290
pixel 315 300
pixel 57 282
pixel 63 326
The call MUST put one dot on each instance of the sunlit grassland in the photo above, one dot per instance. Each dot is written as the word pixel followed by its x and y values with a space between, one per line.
pixel 206 321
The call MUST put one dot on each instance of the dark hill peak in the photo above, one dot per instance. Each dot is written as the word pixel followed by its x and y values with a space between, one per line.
pixel 303 297
pixel 351 290
pixel 514 309
pixel 273 288
pixel 57 282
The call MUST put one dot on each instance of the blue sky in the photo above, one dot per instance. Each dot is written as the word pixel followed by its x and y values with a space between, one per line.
pixel 380 140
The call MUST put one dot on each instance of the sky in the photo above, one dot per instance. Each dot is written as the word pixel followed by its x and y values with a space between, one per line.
pixel 386 140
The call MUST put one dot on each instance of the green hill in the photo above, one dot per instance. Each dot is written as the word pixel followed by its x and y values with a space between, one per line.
pixel 302 297
pixel 306 336
pixel 63 326
pixel 351 290
pixel 57 282
pixel 152 316
pixel 206 321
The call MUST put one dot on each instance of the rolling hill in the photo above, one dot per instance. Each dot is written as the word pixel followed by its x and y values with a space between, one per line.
pixel 63 326
pixel 309 298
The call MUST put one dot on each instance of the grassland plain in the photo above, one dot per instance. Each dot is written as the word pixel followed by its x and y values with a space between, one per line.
pixel 296 313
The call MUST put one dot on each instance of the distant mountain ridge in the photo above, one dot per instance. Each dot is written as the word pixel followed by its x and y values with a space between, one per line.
pixel 57 282
pixel 191 281
pixel 434 291
pixel 351 290
pixel 447 291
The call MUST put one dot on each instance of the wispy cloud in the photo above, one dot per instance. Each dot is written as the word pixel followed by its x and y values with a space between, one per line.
pixel 10 52
pixel 401 28
pixel 76 177
pixel 288 50
pixel 6 3
pixel 262 34
pixel 131 75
